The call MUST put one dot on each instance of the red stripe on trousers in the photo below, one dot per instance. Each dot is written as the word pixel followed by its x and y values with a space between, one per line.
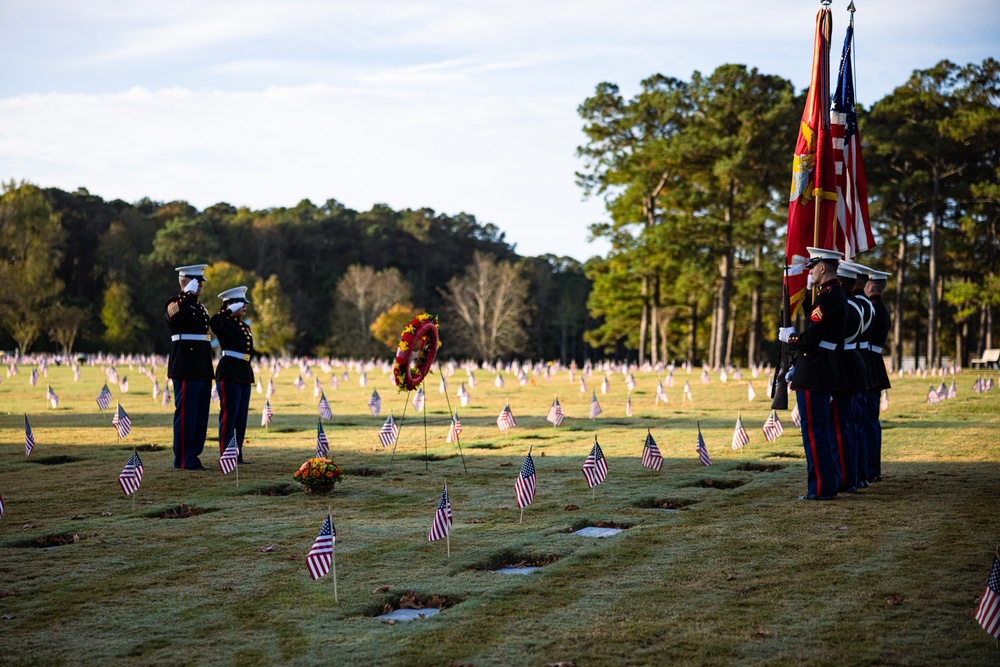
pixel 183 424
pixel 840 442
pixel 812 445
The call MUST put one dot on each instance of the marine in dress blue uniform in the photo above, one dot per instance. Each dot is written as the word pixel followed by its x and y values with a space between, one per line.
pixel 234 373
pixel 817 372
pixel 845 406
pixel 190 367
pixel 857 295
pixel 880 331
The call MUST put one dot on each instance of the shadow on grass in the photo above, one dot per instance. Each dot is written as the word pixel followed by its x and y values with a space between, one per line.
pixel 55 460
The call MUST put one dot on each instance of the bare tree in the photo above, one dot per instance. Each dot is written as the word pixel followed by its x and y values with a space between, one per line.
pixel 490 309
pixel 369 294
pixel 64 325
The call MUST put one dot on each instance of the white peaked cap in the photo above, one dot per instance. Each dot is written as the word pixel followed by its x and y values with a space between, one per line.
pixel 859 269
pixel 192 271
pixel 817 255
pixel 877 275
pixel 239 293
pixel 846 270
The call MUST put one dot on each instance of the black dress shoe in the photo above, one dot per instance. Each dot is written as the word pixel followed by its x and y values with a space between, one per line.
pixel 863 484
pixel 850 489
pixel 244 463
pixel 833 497
pixel 808 496
pixel 877 478
pixel 197 467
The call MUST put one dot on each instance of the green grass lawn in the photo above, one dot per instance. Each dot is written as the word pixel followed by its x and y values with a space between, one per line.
pixel 741 575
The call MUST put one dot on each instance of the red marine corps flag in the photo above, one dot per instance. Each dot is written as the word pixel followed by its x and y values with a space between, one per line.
pixel 812 207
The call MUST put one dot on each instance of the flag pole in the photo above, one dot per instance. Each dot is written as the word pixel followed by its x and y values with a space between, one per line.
pixel 399 428
pixel 427 464
pixel 521 519
pixel 333 554
pixel 137 488
pixel 447 535
pixel 458 440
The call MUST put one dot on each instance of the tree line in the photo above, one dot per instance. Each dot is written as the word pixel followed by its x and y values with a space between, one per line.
pixel 81 273
pixel 695 178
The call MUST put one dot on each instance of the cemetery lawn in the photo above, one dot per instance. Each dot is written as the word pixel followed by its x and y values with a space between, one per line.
pixel 717 565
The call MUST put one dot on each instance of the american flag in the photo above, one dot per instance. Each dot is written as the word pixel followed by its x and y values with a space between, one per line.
pixel 772 427
pixel 524 487
pixel 131 475
pixel 265 417
pixel 595 467
pixel 29 437
pixel 933 397
pixel 583 386
pixel 670 379
pixel 215 392
pixel 442 518
pixel 389 432
pixel 687 391
pixel 884 403
pixel 498 382
pixel 555 415
pixel 51 397
pixel 1 507
pixel 852 186
pixel 724 376
pixel 260 387
pixel 605 385
pixel 506 419
pixel 321 555
pixel 952 391
pixel 740 435
pixel 333 381
pixel 317 388
pixel 705 378
pixel 661 394
pixel 595 407
pixel 121 422
pixel 270 388
pixel 156 389
pixel 443 386
pixel 628 406
pixel 942 391
pixel 418 399
pixel 977 386
pixel 33 380
pixel 702 449
pixel 651 457
pixel 166 397
pixel 363 379
pixel 227 461
pixel 751 394
pixel 463 395
pixel 472 379
pixel 454 430
pixel 123 385
pixel 630 382
pixel 375 403
pixel 322 444
pixel 300 384
pixel 324 407
pixel 988 611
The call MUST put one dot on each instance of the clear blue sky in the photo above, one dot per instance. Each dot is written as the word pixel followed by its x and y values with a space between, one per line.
pixel 458 106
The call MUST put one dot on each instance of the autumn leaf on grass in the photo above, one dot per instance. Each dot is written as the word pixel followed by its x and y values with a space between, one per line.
pixel 894 600
pixel 571 507
pixel 78 517
pixel 383 589
pixel 729 575
pixel 266 549
pixel 409 601
pixel 760 633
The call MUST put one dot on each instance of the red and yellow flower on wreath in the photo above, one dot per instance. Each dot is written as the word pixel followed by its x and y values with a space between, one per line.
pixel 318 471
pixel 418 346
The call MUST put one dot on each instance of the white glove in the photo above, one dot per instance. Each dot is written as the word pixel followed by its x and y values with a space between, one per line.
pixel 809 281
pixel 192 286
pixel 233 307
pixel 789 374
pixel 784 333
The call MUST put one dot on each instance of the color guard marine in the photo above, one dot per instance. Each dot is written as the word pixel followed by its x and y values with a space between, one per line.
pixel 879 332
pixel 817 372
pixel 857 295
pixel 189 366
pixel 234 374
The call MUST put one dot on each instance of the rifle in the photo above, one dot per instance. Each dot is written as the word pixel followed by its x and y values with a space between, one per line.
pixel 779 388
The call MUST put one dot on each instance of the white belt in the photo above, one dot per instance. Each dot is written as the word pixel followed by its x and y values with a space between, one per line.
pixel 863 345
pixel 850 346
pixel 827 346
pixel 236 355
pixel 876 349
pixel 203 337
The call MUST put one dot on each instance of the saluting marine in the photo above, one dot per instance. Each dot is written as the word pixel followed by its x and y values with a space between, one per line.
pixel 190 367
pixel 234 374
pixel 880 331
pixel 817 372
